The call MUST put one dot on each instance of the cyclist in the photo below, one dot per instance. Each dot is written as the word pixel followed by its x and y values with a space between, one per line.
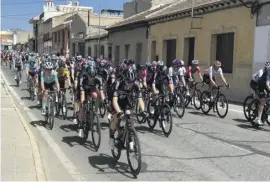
pixel 90 84
pixel 255 77
pixel 48 79
pixel 32 70
pixel 63 74
pixel 263 91
pixel 211 73
pixel 17 65
pixel 55 62
pixel 118 96
pixel 194 68
pixel 141 75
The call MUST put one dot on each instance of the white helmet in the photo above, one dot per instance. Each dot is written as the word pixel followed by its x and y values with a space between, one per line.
pixel 160 63
pixel 48 65
pixel 182 63
pixel 195 62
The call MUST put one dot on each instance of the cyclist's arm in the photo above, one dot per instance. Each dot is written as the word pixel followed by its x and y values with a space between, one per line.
pixel 81 89
pixel 210 72
pixel 154 84
pixel 268 83
pixel 115 99
pixel 42 80
pixel 189 72
pixel 222 77
pixel 199 73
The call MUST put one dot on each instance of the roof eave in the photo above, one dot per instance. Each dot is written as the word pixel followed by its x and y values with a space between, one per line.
pixel 127 26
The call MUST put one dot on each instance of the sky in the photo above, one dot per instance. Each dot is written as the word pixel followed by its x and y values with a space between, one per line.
pixel 16 13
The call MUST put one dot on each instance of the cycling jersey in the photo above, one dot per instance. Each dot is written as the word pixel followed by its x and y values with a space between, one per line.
pixel 90 83
pixel 62 73
pixel 211 72
pixel 49 77
pixel 193 70
pixel 141 75
pixel 17 63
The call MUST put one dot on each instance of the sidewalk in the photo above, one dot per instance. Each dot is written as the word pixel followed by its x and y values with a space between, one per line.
pixel 17 162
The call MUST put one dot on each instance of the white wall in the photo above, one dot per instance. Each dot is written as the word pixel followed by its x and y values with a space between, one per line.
pixel 261 47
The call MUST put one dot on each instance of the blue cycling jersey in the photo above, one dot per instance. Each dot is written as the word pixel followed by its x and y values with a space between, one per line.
pixel 49 77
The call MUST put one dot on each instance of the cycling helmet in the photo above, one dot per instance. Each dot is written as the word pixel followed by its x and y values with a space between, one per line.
pixel 217 63
pixel 176 62
pixel 148 63
pixel 160 63
pixel 154 63
pixel 140 66
pixel 78 58
pixel 48 66
pixel 267 65
pixel 195 62
pixel 130 75
pixel 103 62
pixel 61 63
pixel 151 69
pixel 163 69
pixel 54 58
pixel 182 63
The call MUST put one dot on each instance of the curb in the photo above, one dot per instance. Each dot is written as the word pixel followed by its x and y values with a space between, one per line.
pixel 40 174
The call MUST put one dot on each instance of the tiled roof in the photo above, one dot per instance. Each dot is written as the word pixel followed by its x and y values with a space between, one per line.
pixel 182 6
pixel 137 18
pixel 96 34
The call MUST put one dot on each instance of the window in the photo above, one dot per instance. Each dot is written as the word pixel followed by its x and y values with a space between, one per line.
pixel 95 51
pixel 110 52
pixel 89 51
pixel 58 36
pixel 139 52
pixel 117 53
pixel 55 37
pixel 63 38
pixel 127 51
pixel 81 49
pixel 73 49
pixel 189 49
pixel 102 51
pixel 170 51
pixel 153 50
pixel 224 51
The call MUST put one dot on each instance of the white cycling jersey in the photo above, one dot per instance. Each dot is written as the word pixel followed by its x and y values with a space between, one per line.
pixel 211 72
pixel 177 72
pixel 257 75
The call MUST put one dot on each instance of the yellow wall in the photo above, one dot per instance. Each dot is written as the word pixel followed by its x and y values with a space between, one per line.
pixel 237 20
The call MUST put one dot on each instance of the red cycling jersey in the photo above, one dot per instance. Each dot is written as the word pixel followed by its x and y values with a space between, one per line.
pixel 194 70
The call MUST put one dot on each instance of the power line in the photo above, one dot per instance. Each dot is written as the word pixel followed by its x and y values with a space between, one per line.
pixel 33 2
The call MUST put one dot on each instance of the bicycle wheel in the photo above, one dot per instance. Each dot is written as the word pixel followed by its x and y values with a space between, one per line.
pixel 58 104
pixel 133 146
pixel 64 106
pixel 166 119
pixel 223 103
pixel 179 106
pixel 102 109
pixel 187 100
pixel 247 101
pixel 86 128
pixel 50 121
pixel 205 101
pixel 138 112
pixel 196 99
pixel 253 108
pixel 95 127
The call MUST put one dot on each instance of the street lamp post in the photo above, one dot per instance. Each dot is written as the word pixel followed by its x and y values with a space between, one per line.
pixel 99 30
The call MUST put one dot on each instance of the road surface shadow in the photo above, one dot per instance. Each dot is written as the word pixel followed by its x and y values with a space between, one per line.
pixel 104 161
pixel 39 123
pixel 13 85
pixel 25 98
pixel 69 127
pixel 35 107
pixel 143 129
pixel 70 140
pixel 252 128
pixel 24 89
pixel 201 114
pixel 240 120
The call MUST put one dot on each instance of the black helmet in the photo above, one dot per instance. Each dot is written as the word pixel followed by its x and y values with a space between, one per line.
pixel 129 75
pixel 151 69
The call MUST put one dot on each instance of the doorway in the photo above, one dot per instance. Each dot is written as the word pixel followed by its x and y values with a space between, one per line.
pixel 189 49
pixel 171 51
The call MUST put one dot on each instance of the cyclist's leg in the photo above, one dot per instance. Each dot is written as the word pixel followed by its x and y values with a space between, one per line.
pixel 44 98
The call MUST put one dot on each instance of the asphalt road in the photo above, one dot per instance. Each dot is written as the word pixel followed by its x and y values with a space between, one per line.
pixel 200 147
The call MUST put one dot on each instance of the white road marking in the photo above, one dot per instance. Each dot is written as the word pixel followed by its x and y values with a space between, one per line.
pixel 235 110
pixel 68 165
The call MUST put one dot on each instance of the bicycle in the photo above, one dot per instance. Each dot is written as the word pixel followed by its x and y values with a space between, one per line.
pixel 247 101
pixel 213 103
pixel 162 113
pixel 253 109
pixel 18 76
pixel 127 139
pixel 91 122
pixel 139 113
pixel 179 102
pixel 62 103
pixel 50 104
pixel 31 88
pixel 195 95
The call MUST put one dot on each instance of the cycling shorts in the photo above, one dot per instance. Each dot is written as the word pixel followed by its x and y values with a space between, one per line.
pixel 49 86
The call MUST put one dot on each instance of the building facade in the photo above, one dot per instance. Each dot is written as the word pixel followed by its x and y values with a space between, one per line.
pixel 222 30
pixel 6 40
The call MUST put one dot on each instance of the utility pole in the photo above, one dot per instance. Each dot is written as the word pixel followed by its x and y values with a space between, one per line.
pixel 99 30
